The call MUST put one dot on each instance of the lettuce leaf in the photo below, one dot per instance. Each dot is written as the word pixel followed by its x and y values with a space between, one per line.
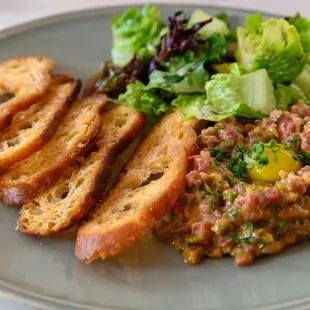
pixel 215 49
pixel 254 23
pixel 190 78
pixel 231 67
pixel 283 96
pixel 186 73
pixel 303 80
pixel 250 95
pixel 138 98
pixel 302 24
pixel 223 16
pixel 242 109
pixel 274 45
pixel 287 95
pixel 217 25
pixel 136 32
pixel 193 105
pixel 228 95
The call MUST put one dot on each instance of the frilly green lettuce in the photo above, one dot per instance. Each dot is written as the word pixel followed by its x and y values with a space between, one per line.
pixel 275 46
pixel 148 102
pixel 303 81
pixel 217 25
pixel 287 95
pixel 136 32
pixel 250 95
pixel 302 24
pixel 193 105
pixel 189 78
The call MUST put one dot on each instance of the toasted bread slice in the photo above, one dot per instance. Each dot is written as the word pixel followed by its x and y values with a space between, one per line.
pixel 67 202
pixel 27 78
pixel 147 189
pixel 31 176
pixel 32 128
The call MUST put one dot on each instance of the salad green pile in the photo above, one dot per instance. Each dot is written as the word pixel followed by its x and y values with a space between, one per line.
pixel 203 67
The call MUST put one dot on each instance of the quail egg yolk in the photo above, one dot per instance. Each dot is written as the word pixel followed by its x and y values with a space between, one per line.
pixel 281 160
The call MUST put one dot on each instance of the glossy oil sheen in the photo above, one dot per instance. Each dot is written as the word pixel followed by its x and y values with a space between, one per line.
pixel 44 273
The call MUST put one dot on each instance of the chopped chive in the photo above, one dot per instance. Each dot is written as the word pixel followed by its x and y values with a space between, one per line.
pixel 250 166
pixel 227 143
pixel 239 155
pixel 273 146
pixel 294 139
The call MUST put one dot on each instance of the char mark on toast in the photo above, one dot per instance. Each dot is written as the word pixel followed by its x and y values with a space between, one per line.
pixel 33 175
pixel 68 201
pixel 34 127
pixel 25 79
pixel 146 190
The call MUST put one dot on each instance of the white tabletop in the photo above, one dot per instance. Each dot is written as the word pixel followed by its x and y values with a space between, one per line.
pixel 14 12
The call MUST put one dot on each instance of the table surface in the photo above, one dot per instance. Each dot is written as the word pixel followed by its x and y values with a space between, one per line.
pixel 15 12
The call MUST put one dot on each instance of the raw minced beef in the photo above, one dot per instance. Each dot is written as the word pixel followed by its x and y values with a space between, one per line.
pixel 223 212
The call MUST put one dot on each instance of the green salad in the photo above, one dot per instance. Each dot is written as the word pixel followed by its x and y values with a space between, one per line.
pixel 204 67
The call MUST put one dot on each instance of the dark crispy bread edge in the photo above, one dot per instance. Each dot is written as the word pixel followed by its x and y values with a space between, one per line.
pixel 24 192
pixel 91 247
pixel 98 187
pixel 5 119
pixel 49 131
pixel 7 114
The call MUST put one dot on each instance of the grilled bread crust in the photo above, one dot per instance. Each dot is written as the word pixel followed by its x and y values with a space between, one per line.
pixel 27 78
pixel 147 189
pixel 34 127
pixel 33 175
pixel 67 202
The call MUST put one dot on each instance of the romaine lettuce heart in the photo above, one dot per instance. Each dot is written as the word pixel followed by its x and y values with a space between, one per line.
pixel 276 47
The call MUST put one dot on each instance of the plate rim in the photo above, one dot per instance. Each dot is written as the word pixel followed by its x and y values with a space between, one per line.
pixel 75 14
pixel 44 302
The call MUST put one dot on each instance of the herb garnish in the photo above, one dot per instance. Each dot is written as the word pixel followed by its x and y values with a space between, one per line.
pixel 293 139
pixel 239 169
pixel 227 143
pixel 229 196
pixel 303 157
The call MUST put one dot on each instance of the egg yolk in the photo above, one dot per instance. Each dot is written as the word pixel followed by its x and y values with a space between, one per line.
pixel 281 160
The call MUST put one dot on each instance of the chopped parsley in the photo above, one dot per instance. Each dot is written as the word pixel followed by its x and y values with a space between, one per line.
pixel 245 233
pixel 206 191
pixel 220 154
pixel 229 196
pixel 232 213
pixel 280 224
pixel 293 139
pixel 227 143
